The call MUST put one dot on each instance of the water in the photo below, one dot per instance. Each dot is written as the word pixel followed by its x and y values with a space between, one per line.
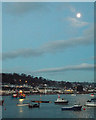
pixel 46 110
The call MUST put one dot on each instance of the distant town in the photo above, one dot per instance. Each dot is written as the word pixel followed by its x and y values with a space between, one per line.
pixel 11 82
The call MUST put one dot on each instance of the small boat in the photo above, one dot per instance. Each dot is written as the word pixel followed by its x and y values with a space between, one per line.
pixel 22 104
pixel 21 97
pixel 92 95
pixel 76 107
pixel 15 95
pixel 34 105
pixel 37 101
pixel 91 103
pixel 73 94
pixel 60 101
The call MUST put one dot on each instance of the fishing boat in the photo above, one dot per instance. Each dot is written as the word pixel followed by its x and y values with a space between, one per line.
pixel 22 96
pixel 76 107
pixel 19 95
pixel 34 105
pixel 40 101
pixel 60 101
pixel 91 103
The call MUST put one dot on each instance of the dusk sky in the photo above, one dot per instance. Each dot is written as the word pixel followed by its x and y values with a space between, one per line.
pixel 52 40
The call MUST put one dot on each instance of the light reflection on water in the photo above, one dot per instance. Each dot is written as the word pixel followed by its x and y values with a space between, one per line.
pixel 46 110
pixel 21 100
pixel 21 109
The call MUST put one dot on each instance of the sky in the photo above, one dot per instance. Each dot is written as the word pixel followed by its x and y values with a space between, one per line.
pixel 49 40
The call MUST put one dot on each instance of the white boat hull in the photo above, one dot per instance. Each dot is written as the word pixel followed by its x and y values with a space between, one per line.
pixel 61 101
pixel 91 104
pixel 73 95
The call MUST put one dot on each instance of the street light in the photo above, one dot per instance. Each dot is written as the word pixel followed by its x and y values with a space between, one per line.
pixel 20 80
pixel 26 81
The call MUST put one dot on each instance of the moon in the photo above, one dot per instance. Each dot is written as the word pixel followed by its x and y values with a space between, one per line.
pixel 78 15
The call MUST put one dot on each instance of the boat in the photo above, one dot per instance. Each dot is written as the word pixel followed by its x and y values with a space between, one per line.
pixel 76 107
pixel 40 101
pixel 91 103
pixel 15 95
pixel 92 95
pixel 60 101
pixel 19 95
pixel 73 94
pixel 22 96
pixel 34 105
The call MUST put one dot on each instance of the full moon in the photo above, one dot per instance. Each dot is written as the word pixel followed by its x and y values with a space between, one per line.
pixel 78 15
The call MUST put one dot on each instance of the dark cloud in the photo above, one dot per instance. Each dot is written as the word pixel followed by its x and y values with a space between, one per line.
pixel 83 66
pixel 86 39
pixel 23 7
pixel 52 47
pixel 21 53
pixel 19 8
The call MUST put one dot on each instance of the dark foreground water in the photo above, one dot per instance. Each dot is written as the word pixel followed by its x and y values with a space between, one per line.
pixel 46 110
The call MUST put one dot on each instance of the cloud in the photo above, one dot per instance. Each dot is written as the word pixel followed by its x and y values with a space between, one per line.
pixel 56 46
pixel 77 23
pixel 90 58
pixel 86 39
pixel 21 53
pixel 79 67
pixel 83 66
pixel 19 8
pixel 65 44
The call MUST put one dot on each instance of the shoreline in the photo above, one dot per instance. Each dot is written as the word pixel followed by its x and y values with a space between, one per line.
pixel 27 94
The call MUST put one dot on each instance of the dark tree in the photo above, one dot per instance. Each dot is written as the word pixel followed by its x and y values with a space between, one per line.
pixel 80 88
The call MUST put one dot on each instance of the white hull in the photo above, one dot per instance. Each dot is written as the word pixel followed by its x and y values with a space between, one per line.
pixel 91 104
pixel 60 100
pixel 73 95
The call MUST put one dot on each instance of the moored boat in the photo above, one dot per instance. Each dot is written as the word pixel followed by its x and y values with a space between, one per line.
pixel 40 101
pixel 76 107
pixel 22 96
pixel 19 95
pixel 60 101
pixel 34 105
pixel 73 94
pixel 91 103
pixel 92 95
pixel 15 95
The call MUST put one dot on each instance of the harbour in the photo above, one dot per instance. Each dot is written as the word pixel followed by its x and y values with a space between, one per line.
pixel 47 110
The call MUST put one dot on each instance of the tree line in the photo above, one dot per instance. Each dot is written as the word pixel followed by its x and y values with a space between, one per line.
pixel 20 79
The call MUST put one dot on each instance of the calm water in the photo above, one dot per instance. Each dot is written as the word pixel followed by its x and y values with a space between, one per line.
pixel 46 110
